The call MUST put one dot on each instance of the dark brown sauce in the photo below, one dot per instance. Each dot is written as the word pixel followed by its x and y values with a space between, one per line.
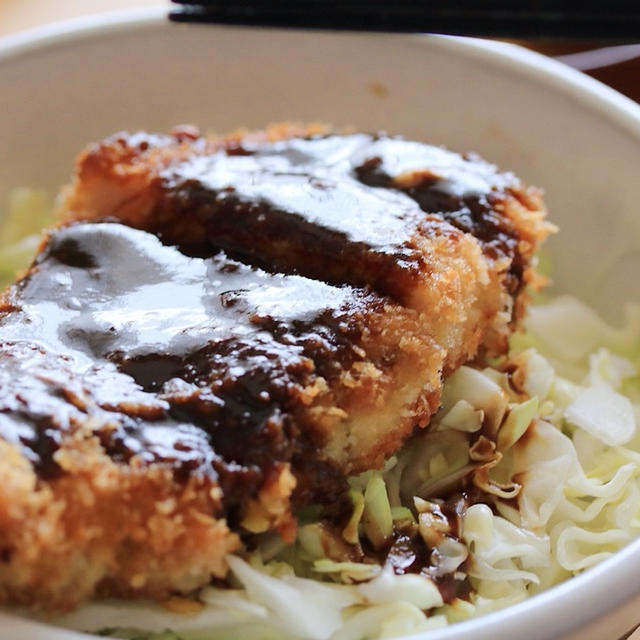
pixel 407 551
pixel 192 362
pixel 332 207
pixel 476 212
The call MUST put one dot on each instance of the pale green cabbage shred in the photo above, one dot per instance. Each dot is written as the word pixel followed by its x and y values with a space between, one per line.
pixel 575 476
pixel 579 501
pixel 28 211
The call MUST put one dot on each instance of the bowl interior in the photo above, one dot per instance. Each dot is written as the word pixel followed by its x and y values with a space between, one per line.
pixel 578 140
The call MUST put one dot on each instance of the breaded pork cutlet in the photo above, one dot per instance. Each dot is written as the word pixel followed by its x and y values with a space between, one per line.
pixel 150 402
pixel 283 316
pixel 445 234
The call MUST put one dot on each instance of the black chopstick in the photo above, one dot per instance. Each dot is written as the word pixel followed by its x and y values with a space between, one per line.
pixel 616 20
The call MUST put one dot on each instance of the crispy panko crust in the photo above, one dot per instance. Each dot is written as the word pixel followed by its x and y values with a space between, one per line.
pixel 87 513
pixel 470 288
pixel 103 527
pixel 446 283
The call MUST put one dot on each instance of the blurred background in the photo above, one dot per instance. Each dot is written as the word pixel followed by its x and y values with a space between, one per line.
pixel 16 15
pixel 617 66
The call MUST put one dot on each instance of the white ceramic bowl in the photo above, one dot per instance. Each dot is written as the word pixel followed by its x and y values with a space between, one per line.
pixel 65 85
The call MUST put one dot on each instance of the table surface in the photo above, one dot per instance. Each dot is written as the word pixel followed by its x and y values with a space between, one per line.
pixel 16 15
pixel 623 74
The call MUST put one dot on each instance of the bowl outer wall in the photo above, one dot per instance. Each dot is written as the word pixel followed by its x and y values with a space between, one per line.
pixel 79 81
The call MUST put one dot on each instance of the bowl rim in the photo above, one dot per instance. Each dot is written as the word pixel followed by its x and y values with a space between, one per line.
pixel 598 590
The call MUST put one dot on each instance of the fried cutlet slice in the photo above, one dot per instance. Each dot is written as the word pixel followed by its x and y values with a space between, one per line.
pixel 444 234
pixel 153 406
pixel 218 397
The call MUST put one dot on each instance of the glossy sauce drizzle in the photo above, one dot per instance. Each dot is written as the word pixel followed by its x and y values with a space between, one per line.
pixel 197 362
pixel 360 197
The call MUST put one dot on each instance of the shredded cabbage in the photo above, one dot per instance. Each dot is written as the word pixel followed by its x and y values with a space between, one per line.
pixel 28 212
pixel 377 522
pixel 556 447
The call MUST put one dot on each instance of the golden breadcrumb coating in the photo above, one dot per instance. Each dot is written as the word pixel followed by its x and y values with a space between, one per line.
pixel 279 312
